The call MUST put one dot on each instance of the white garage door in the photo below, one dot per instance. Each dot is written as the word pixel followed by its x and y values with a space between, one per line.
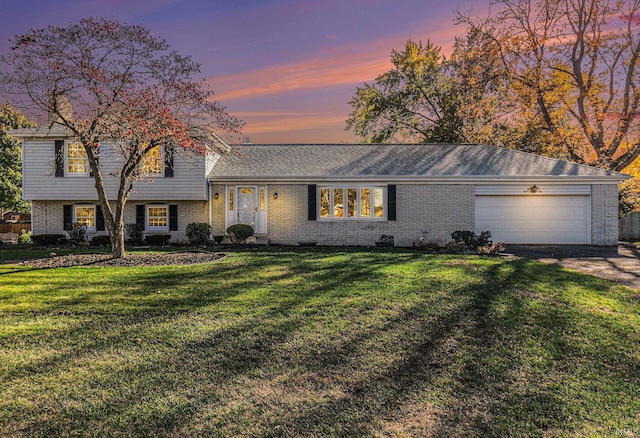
pixel 535 218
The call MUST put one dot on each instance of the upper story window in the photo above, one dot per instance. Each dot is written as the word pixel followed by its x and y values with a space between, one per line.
pixel 153 162
pixel 76 161
pixel 352 202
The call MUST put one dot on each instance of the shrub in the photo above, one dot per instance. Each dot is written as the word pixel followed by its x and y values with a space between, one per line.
pixel 135 233
pixel 240 232
pixel 494 249
pixel 77 233
pixel 101 241
pixel 48 239
pixel 385 240
pixel 471 240
pixel 198 233
pixel 158 239
pixel 24 238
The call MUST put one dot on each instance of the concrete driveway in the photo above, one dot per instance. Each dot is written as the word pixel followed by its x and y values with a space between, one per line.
pixel 620 264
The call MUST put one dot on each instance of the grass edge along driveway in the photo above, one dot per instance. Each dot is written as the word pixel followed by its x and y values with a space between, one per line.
pixel 319 342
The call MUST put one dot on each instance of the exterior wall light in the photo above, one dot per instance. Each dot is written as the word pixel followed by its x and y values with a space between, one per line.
pixel 533 189
pixel 275 195
pixel 216 196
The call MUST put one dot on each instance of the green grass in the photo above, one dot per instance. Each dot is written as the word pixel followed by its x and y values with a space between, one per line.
pixel 318 342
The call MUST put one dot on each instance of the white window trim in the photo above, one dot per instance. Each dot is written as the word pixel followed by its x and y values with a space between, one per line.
pixel 345 188
pixel 66 162
pixel 95 215
pixel 147 227
pixel 162 165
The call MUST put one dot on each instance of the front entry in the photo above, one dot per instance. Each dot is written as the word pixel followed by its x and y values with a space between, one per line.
pixel 247 206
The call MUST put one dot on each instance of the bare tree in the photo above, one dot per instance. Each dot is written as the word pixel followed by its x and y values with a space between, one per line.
pixel 572 65
pixel 107 81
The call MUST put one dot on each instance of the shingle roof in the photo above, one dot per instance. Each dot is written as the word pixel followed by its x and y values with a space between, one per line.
pixel 404 161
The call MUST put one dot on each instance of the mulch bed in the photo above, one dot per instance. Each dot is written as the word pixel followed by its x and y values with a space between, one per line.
pixel 101 259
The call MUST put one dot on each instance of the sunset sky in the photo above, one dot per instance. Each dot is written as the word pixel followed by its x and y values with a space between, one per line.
pixel 288 68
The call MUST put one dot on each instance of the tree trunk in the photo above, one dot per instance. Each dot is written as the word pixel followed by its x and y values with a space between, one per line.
pixel 116 232
pixel 117 243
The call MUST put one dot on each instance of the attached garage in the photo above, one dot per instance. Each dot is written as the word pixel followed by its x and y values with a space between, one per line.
pixel 535 218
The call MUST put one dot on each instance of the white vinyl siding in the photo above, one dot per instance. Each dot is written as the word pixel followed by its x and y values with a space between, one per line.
pixel 40 183
pixel 535 218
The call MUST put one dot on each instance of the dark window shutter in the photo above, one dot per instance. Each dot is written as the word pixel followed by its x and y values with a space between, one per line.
pixel 140 215
pixel 67 217
pixel 391 202
pixel 168 163
pixel 59 157
pixel 312 202
pixel 99 219
pixel 173 217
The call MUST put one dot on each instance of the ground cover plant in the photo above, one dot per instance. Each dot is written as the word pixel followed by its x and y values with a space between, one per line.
pixel 318 342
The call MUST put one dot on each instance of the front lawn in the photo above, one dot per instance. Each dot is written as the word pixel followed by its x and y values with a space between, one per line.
pixel 318 342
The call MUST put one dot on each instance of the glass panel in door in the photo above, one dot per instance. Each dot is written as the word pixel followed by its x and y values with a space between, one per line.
pixel 246 206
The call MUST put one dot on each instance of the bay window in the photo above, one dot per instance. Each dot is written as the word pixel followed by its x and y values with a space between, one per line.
pixel 351 202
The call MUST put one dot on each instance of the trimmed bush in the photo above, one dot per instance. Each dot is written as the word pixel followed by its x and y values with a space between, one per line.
pixel 48 239
pixel 158 239
pixel 135 232
pixel 77 233
pixel 385 240
pixel 101 241
pixel 198 233
pixel 471 240
pixel 240 232
pixel 24 238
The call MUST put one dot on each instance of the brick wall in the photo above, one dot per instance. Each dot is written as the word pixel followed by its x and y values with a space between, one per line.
pixel 437 209
pixel 47 216
pixel 604 214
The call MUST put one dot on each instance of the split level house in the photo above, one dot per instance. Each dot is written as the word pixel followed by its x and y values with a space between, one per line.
pixel 333 194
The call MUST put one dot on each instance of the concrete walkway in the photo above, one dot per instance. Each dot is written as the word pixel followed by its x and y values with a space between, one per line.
pixel 620 264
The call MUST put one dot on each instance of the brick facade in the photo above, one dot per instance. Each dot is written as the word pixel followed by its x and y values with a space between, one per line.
pixel 47 216
pixel 430 210
pixel 604 214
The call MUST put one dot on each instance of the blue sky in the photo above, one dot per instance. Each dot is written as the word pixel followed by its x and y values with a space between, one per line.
pixel 286 67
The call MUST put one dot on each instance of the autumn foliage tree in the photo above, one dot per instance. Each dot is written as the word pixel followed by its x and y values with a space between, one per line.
pixel 116 84
pixel 414 100
pixel 573 66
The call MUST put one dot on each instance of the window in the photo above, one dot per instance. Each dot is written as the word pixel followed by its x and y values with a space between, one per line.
pixel 85 215
pixel 157 218
pixel 152 162
pixel 76 161
pixel 232 191
pixel 352 202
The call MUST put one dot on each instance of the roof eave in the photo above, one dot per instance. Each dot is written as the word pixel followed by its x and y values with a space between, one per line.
pixel 473 179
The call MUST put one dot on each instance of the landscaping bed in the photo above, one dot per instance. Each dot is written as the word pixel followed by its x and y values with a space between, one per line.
pixel 135 259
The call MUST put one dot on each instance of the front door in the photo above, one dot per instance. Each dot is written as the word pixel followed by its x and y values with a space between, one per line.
pixel 247 206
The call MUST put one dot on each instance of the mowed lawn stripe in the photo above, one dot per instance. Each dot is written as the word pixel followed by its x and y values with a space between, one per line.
pixel 318 342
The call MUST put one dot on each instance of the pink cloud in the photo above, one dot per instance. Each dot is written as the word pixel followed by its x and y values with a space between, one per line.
pixel 344 65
